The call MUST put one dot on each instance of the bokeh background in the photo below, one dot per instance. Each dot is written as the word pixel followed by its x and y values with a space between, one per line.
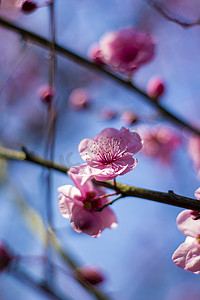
pixel 136 257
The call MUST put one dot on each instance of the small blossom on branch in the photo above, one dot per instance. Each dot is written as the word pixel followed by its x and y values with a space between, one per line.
pixel 79 204
pixel 155 88
pixel 126 50
pixel 108 154
pixel 187 256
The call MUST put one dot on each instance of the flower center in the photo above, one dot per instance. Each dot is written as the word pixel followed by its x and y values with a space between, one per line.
pixel 198 238
pixel 90 203
pixel 106 150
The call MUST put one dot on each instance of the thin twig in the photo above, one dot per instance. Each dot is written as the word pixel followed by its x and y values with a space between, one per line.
pixel 26 278
pixel 91 66
pixel 169 16
pixel 50 142
pixel 110 203
pixel 124 189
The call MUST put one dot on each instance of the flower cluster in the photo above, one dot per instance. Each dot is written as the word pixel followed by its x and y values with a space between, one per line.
pixel 187 256
pixel 125 51
pixel 107 155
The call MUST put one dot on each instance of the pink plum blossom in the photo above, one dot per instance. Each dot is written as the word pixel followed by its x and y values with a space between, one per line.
pixel 159 142
pixel 79 204
pixel 108 154
pixel 187 256
pixel 194 151
pixel 127 49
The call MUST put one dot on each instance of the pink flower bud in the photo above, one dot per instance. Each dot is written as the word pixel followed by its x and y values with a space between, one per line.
pixel 78 99
pixel 155 88
pixel 5 257
pixel 46 93
pixel 95 54
pixel 91 274
pixel 107 113
pixel 28 6
pixel 128 117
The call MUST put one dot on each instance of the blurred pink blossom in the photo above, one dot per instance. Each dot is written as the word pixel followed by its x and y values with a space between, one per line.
pixel 194 151
pixel 79 204
pixel 91 274
pixel 108 154
pixel 126 50
pixel 187 256
pixel 79 99
pixel 159 142
pixel 155 88
pixel 108 113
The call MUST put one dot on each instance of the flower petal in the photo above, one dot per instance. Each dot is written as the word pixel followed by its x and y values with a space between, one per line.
pixel 187 224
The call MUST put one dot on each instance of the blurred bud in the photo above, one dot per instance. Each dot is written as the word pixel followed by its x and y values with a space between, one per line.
pixel 95 54
pixel 46 93
pixel 78 99
pixel 91 274
pixel 155 88
pixel 28 6
pixel 107 113
pixel 5 257
pixel 128 117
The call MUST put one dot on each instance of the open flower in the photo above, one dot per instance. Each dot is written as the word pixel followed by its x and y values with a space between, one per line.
pixel 126 50
pixel 79 204
pixel 187 256
pixel 108 154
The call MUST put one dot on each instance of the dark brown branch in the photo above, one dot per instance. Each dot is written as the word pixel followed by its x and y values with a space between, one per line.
pixel 26 155
pixel 169 16
pixel 123 189
pixel 167 198
pixel 28 35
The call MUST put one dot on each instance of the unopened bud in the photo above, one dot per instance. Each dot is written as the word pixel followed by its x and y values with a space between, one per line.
pixel 91 274
pixel 46 93
pixel 128 117
pixel 95 54
pixel 155 88
pixel 79 99
pixel 5 257
pixel 28 6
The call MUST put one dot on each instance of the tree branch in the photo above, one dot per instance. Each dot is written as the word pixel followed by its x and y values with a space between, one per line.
pixel 123 189
pixel 28 35
pixel 26 155
pixel 169 16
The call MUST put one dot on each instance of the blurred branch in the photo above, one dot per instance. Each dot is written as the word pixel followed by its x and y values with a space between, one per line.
pixel 26 278
pixel 26 155
pixel 35 223
pixel 123 189
pixel 28 35
pixel 169 16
